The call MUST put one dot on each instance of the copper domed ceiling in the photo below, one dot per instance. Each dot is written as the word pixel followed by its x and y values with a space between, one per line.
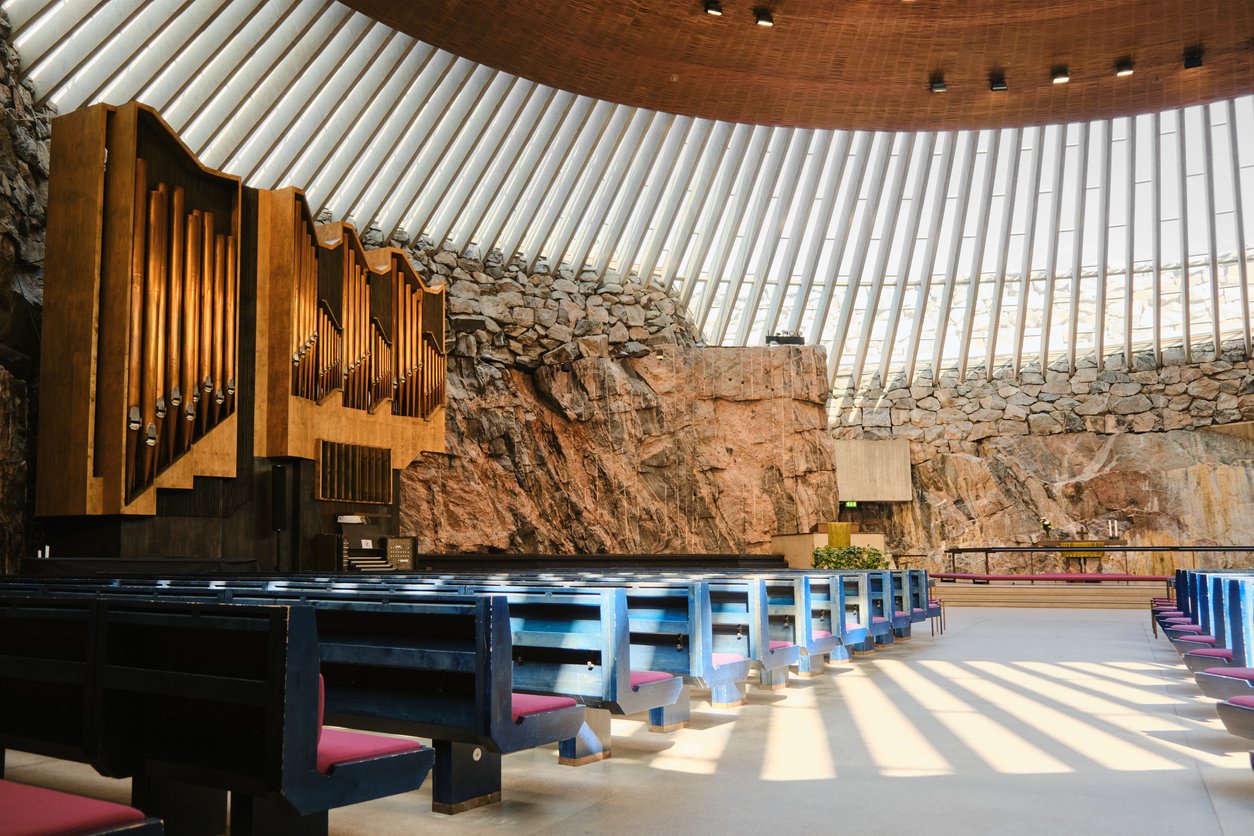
pixel 862 64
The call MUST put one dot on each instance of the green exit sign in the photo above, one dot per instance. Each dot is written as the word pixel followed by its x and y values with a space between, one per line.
pixel 851 503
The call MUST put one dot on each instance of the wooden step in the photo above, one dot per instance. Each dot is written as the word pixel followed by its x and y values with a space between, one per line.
pixel 1084 596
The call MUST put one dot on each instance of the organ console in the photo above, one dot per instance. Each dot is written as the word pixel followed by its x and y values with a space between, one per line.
pixel 197 328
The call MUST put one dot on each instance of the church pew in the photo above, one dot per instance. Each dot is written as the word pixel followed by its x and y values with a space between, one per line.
pixel 565 643
pixel 868 597
pixel 1236 678
pixel 45 653
pixel 191 700
pixel 1237 715
pixel 1202 652
pixel 30 810
pixel 433 666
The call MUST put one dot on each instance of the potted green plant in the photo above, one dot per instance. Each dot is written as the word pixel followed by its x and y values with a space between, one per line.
pixel 849 557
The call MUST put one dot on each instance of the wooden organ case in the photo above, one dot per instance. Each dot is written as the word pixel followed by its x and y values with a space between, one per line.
pixel 221 377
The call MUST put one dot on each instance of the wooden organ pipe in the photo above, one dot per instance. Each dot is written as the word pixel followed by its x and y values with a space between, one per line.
pixel 174 345
pixel 134 373
pixel 191 333
pixel 219 321
pixel 232 290
pixel 148 393
pixel 205 371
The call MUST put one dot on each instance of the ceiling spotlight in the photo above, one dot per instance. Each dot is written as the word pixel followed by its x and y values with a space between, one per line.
pixel 1193 57
pixel 714 7
pixel 937 84
pixel 997 82
pixel 1123 67
pixel 763 16
pixel 1059 74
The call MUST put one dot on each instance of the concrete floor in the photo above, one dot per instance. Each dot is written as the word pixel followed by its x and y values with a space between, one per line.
pixel 1027 721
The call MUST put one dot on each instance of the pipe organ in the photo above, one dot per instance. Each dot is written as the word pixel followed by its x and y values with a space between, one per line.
pixel 197 328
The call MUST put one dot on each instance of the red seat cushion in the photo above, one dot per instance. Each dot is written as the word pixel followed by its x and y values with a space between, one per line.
pixel 821 634
pixel 1244 702
pixel 525 705
pixel 1233 673
pixel 1197 639
pixel 776 644
pixel 639 678
pixel 336 746
pixel 1213 652
pixel 726 658
pixel 35 811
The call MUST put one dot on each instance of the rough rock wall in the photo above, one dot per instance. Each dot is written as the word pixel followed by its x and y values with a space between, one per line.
pixel 1167 488
pixel 24 135
pixel 680 450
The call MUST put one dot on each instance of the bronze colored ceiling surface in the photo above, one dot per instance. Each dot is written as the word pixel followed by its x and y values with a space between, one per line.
pixel 854 64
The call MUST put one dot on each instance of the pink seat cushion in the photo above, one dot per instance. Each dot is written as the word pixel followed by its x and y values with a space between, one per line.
pixel 525 705
pixel 775 644
pixel 877 619
pixel 1183 628
pixel 35 811
pixel 1179 619
pixel 337 746
pixel 726 658
pixel 852 625
pixel 1233 673
pixel 1197 639
pixel 917 609
pixel 1168 612
pixel 1213 652
pixel 934 602
pixel 901 614
pixel 639 678
pixel 821 634
pixel 1244 702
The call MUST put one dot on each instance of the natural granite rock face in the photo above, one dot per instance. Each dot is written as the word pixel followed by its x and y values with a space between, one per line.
pixel 686 450
pixel 15 444
pixel 1161 488
pixel 24 152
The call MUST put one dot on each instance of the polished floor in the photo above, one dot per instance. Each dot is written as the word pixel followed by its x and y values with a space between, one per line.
pixel 1020 721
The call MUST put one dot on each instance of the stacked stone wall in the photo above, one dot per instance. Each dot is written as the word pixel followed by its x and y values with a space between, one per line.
pixel 955 417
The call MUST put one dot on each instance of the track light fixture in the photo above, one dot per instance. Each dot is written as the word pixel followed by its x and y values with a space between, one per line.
pixel 1059 74
pixel 937 83
pixel 763 16
pixel 1123 67
pixel 714 7
pixel 997 81
pixel 1193 57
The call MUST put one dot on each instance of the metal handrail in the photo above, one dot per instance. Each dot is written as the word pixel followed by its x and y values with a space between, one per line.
pixel 954 551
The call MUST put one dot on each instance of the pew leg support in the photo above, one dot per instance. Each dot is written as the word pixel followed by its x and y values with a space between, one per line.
pixel 902 633
pixel 187 809
pixel 467 776
pixel 773 679
pixel 811 665
pixel 591 744
pixel 727 695
pixel 252 816
pixel 668 718
pixel 886 638
pixel 839 655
